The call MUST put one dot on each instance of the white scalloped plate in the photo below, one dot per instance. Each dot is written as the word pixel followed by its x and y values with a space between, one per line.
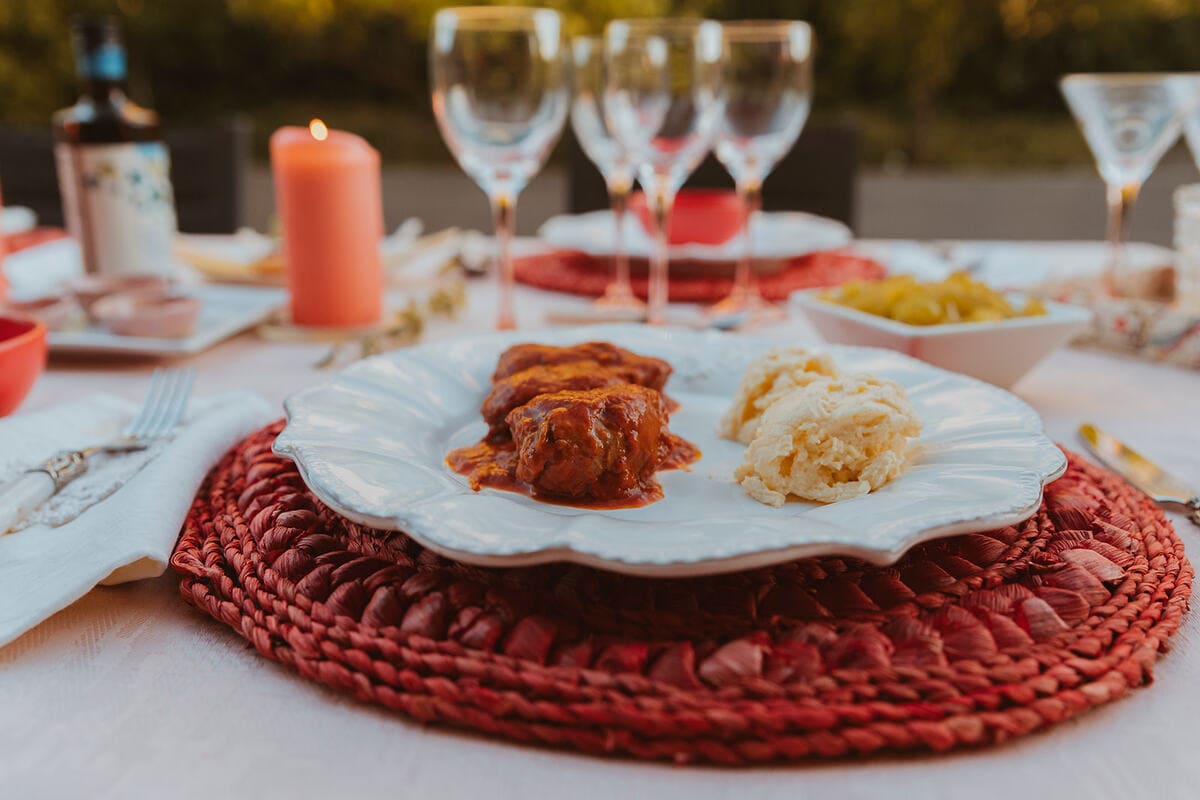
pixel 776 234
pixel 371 443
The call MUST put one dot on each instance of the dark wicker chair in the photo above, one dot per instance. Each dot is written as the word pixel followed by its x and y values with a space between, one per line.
pixel 818 175
pixel 208 172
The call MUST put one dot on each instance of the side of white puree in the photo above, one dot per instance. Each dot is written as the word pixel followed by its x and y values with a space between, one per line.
pixel 821 438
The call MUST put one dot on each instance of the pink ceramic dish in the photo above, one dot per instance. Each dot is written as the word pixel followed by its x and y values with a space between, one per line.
pixel 22 359
pixel 57 313
pixel 92 288
pixel 147 312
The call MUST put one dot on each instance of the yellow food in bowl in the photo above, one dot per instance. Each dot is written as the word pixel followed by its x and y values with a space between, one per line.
pixel 958 298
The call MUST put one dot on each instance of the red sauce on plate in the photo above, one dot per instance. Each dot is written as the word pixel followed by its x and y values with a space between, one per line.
pixel 493 465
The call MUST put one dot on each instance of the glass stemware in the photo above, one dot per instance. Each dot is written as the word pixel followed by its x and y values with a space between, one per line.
pixel 767 82
pixel 1185 92
pixel 587 120
pixel 1129 121
pixel 662 101
pixel 498 77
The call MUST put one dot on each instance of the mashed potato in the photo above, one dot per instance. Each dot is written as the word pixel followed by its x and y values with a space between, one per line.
pixel 829 440
pixel 768 378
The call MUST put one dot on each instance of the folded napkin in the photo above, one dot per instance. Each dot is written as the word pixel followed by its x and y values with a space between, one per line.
pixel 119 521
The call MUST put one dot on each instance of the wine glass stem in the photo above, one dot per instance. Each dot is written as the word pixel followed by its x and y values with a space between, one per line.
pixel 1120 204
pixel 618 199
pixel 504 213
pixel 745 282
pixel 656 292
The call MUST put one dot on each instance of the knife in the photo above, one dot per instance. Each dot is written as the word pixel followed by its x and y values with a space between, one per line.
pixel 1162 487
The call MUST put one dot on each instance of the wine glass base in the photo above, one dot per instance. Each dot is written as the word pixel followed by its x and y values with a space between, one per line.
pixel 618 298
pixel 619 304
pixel 742 310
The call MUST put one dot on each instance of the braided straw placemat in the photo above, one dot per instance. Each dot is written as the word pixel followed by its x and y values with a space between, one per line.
pixel 579 273
pixel 966 641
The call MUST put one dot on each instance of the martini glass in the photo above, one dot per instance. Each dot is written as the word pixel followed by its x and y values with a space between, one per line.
pixel 499 83
pixel 598 142
pixel 1129 120
pixel 767 83
pixel 662 102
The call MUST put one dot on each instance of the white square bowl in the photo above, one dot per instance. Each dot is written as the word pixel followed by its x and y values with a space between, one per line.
pixel 997 352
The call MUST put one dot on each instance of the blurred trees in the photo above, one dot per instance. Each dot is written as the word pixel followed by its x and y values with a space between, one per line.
pixel 907 64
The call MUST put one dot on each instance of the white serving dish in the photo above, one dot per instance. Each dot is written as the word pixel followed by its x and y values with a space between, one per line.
pixel 996 352
pixel 779 234
pixel 371 443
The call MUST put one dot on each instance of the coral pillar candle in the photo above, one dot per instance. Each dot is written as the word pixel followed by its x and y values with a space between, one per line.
pixel 330 207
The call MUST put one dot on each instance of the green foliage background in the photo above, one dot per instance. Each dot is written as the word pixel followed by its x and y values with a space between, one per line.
pixel 932 82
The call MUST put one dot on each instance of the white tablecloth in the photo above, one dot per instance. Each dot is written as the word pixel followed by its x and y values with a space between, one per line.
pixel 132 693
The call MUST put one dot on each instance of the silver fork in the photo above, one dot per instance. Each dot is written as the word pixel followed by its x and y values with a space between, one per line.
pixel 166 400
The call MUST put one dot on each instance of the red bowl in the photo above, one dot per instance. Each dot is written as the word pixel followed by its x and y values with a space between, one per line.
pixel 22 359
pixel 700 216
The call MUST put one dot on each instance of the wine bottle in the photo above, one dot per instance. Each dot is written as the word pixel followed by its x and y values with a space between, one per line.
pixel 113 167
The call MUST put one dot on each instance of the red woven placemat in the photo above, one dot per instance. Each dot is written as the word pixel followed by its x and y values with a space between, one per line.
pixel 579 273
pixel 966 641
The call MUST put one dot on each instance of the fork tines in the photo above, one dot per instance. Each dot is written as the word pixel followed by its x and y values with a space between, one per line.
pixel 166 400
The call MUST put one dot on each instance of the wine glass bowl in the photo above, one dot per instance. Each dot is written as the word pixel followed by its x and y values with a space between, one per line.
pixel 767 85
pixel 500 97
pixel 598 143
pixel 768 94
pixel 662 101
pixel 1185 91
pixel 1129 121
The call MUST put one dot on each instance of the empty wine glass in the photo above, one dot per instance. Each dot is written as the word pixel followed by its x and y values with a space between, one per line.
pixel 587 120
pixel 1129 120
pixel 1185 92
pixel 498 77
pixel 662 102
pixel 767 84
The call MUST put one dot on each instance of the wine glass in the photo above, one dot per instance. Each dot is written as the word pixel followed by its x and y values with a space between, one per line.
pixel 1129 120
pixel 587 120
pixel 1185 92
pixel 498 76
pixel 662 101
pixel 767 82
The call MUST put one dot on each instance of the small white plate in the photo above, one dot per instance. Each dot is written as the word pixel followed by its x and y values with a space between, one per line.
pixel 224 311
pixel 371 443
pixel 780 234
pixel 997 352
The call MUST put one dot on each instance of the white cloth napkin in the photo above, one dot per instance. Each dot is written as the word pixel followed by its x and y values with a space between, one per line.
pixel 119 521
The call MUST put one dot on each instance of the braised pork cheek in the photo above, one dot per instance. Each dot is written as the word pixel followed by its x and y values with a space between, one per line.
pixel 521 387
pixel 576 426
pixel 633 368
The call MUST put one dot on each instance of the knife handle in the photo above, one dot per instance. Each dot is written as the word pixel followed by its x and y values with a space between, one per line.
pixel 36 486
pixel 22 496
pixel 1193 507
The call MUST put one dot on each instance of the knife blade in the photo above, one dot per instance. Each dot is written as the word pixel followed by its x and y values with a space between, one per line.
pixel 1162 487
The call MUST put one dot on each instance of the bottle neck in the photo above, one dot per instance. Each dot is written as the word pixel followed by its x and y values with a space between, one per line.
pixel 100 90
pixel 101 70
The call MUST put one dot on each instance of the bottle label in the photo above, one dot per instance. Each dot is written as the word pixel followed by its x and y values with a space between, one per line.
pixel 118 204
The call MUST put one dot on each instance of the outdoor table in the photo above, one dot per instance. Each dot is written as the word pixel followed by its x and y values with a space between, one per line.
pixel 133 693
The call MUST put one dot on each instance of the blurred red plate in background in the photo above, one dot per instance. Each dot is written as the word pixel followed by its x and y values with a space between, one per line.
pixel 579 273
